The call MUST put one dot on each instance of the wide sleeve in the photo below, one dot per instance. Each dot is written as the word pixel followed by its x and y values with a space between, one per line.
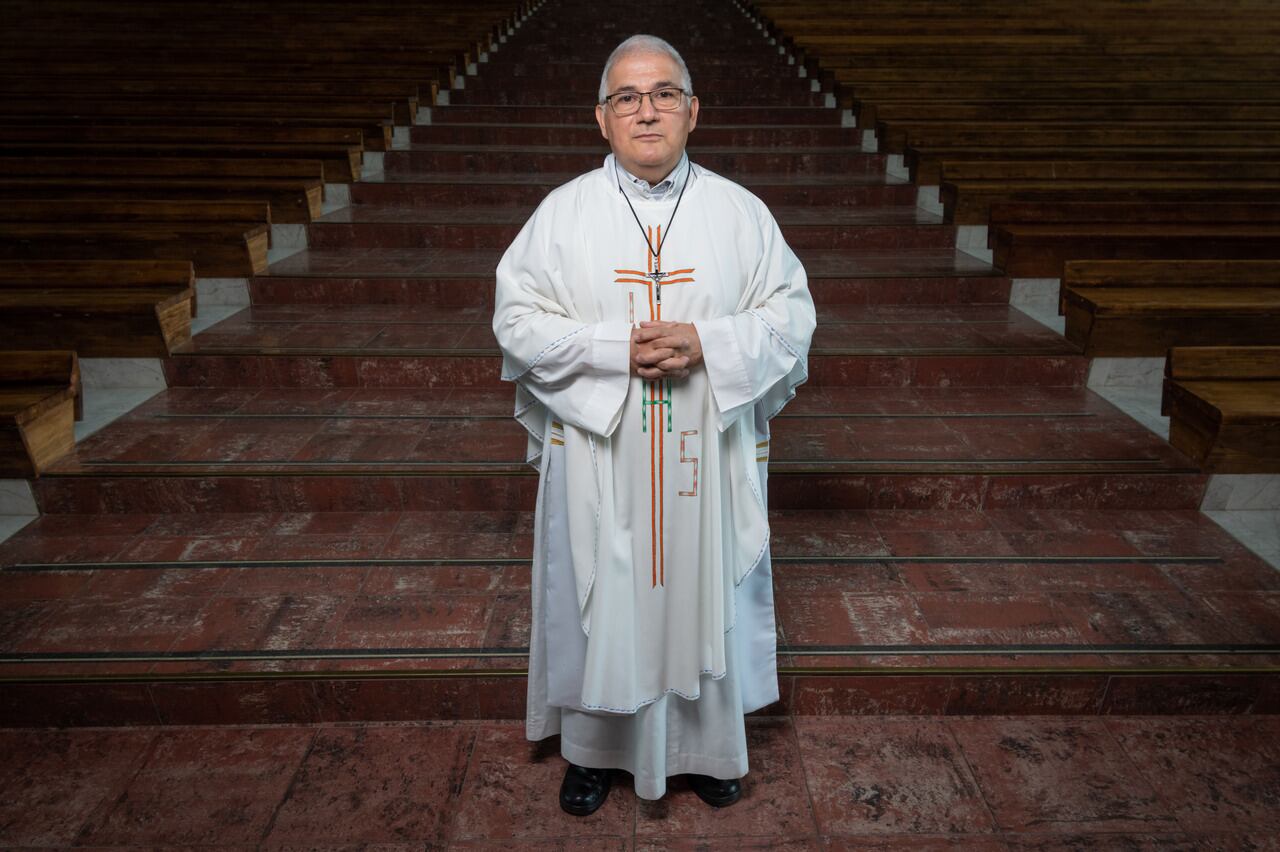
pixel 759 355
pixel 576 368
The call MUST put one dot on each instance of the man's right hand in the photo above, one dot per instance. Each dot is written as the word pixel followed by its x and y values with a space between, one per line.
pixel 656 362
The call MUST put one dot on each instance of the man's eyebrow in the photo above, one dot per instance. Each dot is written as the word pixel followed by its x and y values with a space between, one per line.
pixel 661 84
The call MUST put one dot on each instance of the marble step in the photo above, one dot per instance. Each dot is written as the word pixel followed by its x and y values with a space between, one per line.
pixel 429 346
pixel 575 114
pixel 365 226
pixel 737 163
pixel 406 189
pixel 458 278
pixel 768 84
pixel 755 67
pixel 399 614
pixel 583 131
pixel 320 449
pixel 794 95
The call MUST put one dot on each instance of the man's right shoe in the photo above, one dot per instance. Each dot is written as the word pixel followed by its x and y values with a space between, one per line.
pixel 584 789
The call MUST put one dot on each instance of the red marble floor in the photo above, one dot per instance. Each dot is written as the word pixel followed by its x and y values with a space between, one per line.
pixel 561 114
pixel 830 427
pixel 878 612
pixel 816 783
pixel 431 262
pixel 862 329
pixel 326 519
pixel 413 188
pixel 573 131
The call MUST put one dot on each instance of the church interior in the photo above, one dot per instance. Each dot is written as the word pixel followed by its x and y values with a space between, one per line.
pixel 266 518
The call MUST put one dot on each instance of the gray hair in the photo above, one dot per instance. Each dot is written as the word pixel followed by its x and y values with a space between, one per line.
pixel 645 44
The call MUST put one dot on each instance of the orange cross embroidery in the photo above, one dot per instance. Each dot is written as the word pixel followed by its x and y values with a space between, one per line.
pixel 656 393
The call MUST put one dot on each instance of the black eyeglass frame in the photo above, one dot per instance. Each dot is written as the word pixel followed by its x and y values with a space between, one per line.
pixel 609 99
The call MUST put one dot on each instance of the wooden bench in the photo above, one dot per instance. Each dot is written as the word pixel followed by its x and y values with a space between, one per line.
pixel 218 249
pixel 1225 170
pixel 1040 250
pixel 970 202
pixel 896 137
pixel 98 210
pixel 1122 211
pixel 1142 308
pixel 40 398
pixel 339 163
pixel 1223 405
pixel 978 101
pixel 888 113
pixel 376 135
pixel 925 164
pixel 222 238
pixel 292 200
pixel 99 309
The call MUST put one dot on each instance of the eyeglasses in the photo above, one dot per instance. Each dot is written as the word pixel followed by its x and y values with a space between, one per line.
pixel 628 103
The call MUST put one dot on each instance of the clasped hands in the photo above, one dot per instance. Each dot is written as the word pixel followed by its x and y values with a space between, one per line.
pixel 665 350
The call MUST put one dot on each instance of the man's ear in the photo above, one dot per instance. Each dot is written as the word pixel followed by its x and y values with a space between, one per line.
pixel 693 112
pixel 604 129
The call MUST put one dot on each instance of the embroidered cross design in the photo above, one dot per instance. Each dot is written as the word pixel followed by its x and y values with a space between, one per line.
pixel 657 392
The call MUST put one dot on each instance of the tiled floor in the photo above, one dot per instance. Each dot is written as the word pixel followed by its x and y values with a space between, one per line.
pixel 816 783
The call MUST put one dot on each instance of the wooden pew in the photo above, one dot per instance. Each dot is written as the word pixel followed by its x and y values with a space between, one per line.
pixel 292 200
pixel 894 138
pixel 222 239
pixel 377 135
pixel 1142 308
pixel 98 210
pixel 872 102
pixel 969 202
pixel 1223 405
pixel 40 398
pixel 925 164
pixel 1067 168
pixel 973 108
pixel 256 134
pixel 1040 250
pixel 339 163
pixel 218 249
pixel 138 130
pixel 339 150
pixel 100 309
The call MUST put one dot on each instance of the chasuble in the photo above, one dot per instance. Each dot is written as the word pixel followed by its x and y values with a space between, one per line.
pixel 651 575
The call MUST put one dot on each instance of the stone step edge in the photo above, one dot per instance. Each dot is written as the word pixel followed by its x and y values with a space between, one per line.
pixel 105 659
pixel 500 694
pixel 857 467
pixel 523 672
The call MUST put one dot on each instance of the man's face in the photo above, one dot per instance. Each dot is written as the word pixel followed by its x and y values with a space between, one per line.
pixel 649 142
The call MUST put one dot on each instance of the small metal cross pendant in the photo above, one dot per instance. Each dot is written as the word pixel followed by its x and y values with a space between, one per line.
pixel 657 275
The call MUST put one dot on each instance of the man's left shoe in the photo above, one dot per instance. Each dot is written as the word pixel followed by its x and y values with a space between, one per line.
pixel 584 789
pixel 716 792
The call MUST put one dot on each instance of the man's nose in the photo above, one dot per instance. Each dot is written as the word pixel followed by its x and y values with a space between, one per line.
pixel 647 111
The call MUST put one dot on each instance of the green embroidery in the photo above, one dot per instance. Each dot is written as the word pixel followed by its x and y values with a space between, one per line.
pixel 649 400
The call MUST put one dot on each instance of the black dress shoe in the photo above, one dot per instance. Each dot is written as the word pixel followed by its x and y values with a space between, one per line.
pixel 584 789
pixel 716 792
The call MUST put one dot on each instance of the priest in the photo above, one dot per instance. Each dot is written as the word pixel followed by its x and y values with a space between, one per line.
pixel 653 320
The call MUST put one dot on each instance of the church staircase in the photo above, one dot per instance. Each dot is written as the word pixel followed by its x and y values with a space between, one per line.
pixel 327 516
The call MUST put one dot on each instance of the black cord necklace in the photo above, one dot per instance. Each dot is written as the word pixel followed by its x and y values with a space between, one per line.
pixel 657 274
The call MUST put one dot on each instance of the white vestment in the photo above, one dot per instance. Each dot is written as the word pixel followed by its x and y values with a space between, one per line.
pixel 653 626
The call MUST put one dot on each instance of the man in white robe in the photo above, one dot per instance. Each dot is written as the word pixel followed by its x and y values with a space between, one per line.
pixel 653 320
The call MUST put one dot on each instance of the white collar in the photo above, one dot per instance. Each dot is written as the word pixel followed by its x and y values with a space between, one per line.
pixel 640 188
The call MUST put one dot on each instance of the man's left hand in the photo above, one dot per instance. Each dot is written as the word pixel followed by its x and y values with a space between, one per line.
pixel 666 349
